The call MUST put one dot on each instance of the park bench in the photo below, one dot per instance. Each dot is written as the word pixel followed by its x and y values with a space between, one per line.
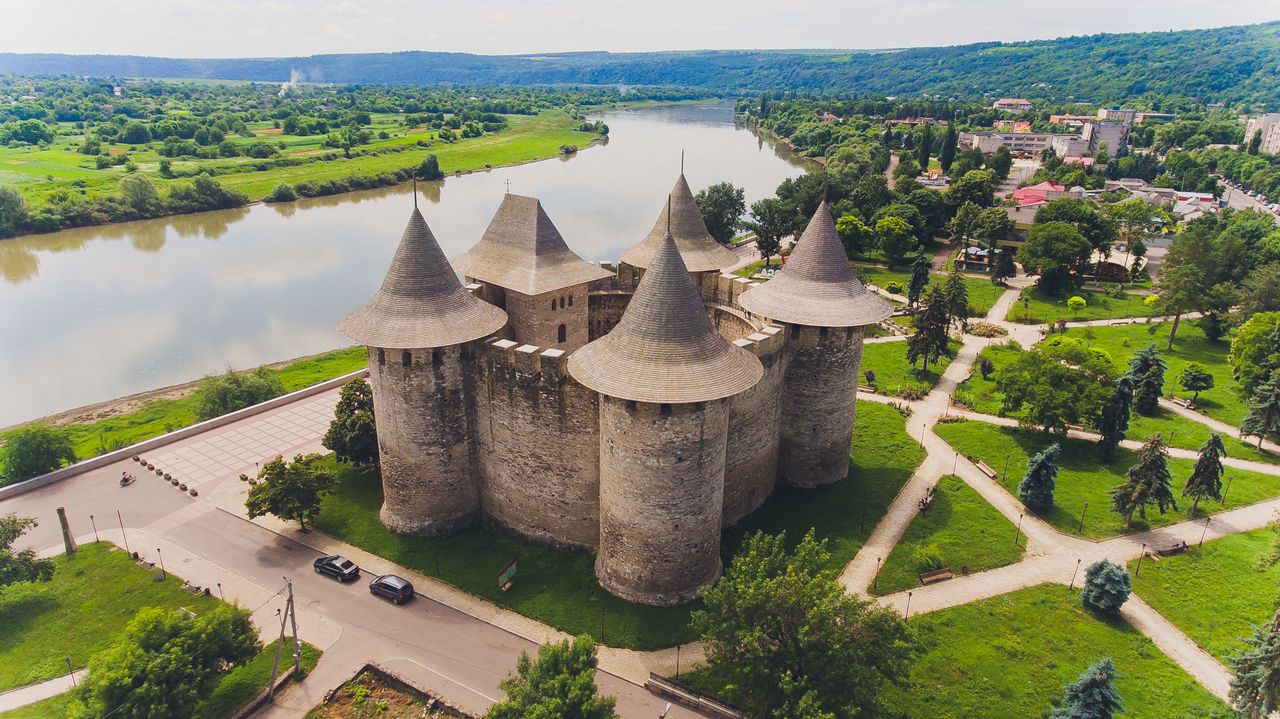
pixel 1076 427
pixel 1183 402
pixel 866 390
pixel 982 466
pixel 936 575
pixel 1175 548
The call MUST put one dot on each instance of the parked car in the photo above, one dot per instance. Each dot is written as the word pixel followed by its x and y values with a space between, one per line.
pixel 389 586
pixel 340 568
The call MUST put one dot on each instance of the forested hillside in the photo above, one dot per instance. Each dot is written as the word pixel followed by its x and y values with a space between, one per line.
pixel 1229 65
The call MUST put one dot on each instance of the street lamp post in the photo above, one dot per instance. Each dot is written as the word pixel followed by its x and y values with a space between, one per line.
pixel 1141 554
pixel 1072 585
pixel 876 577
pixel 161 557
pixel 123 536
pixel 1230 479
pixel 1206 530
pixel 95 528
pixel 1018 532
pixel 955 462
pixel 1080 529
pixel 907 614
pixel 220 594
pixel 1006 467
pixel 70 671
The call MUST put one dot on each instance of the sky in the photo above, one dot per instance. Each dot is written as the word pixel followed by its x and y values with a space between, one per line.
pixel 276 28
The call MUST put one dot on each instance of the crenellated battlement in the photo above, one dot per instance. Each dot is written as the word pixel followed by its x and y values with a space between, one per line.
pixel 546 364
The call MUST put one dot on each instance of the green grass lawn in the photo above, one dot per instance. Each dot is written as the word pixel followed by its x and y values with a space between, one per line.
pixel 1045 308
pixel 1082 477
pixel 560 588
pixel 92 596
pixel 960 531
pixel 894 375
pixel 982 294
pixel 980 394
pixel 55 706
pixel 1215 593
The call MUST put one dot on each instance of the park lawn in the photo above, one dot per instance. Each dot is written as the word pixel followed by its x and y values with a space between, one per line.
pixel 1081 478
pixel 560 589
pixel 1045 308
pixel 1012 655
pixel 979 394
pixel 1223 402
pixel 55 706
pixel 94 593
pixel 960 531
pixel 982 294
pixel 894 375
pixel 1217 593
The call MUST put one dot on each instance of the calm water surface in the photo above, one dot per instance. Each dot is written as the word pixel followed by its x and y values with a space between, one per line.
pixel 92 314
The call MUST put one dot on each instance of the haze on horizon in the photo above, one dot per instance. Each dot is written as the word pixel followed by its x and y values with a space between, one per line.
pixel 277 28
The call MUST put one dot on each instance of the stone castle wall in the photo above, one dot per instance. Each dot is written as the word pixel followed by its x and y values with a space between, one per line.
pixel 821 388
pixel 537 434
pixel 662 470
pixel 536 319
pixel 425 429
pixel 755 418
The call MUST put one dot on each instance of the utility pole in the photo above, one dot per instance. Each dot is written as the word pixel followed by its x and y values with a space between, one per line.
pixel 288 617
pixel 293 620
pixel 275 665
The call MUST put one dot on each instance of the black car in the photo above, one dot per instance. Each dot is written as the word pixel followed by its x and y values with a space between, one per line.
pixel 340 568
pixel 389 586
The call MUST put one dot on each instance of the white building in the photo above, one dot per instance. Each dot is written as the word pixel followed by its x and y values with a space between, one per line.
pixel 1269 126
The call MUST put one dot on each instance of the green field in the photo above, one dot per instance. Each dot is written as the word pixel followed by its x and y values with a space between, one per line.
pixel 559 589
pixel 894 375
pixel 1082 477
pixel 1045 308
pixel 1216 593
pixel 982 294
pixel 960 531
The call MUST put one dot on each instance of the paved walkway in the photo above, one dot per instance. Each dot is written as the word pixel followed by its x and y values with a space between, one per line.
pixel 33 693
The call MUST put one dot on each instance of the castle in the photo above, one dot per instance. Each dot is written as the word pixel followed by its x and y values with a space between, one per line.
pixel 631 411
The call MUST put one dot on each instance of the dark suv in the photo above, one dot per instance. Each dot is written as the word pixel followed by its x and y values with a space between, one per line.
pixel 389 586
pixel 340 568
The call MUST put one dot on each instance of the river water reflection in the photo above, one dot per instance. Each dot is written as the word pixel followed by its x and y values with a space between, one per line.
pixel 92 314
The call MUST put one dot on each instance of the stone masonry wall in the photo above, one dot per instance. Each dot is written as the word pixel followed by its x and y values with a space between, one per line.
pixel 820 398
pixel 537 434
pixel 429 478
pixel 661 497
pixel 536 319
pixel 755 419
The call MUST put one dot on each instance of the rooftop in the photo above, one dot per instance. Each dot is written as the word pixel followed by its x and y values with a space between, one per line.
pixel 698 249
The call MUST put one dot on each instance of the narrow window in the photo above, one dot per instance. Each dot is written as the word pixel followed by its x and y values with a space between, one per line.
pixel 382 357
pixel 795 332
pixel 664 409
pixel 553 304
pixel 571 300
pixel 562 303
pixel 406 359
pixel 561 333
pixel 822 331
pixel 436 359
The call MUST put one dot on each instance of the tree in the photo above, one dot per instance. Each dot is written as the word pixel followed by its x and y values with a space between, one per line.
pixel 429 168
pixel 1075 305
pixel 220 394
pixel 781 628
pixel 1096 228
pixel 1196 379
pixel 20 565
pixel 1113 420
pixel 1055 384
pixel 1092 696
pixel 1263 419
pixel 140 194
pixel 948 155
pixel 854 234
pixel 32 451
pixel 1001 162
pixel 964 224
pixel 976 186
pixel 921 266
pixel 1255 673
pixel 925 147
pixel 1149 483
pixel 1255 351
pixel 895 238
pixel 165 663
pixel 1191 267
pixel 930 340
pixel 1206 477
pixel 1004 267
pixel 13 211
pixel 1057 252
pixel 1106 587
pixel 352 434
pixel 290 490
pixel 722 206
pixel 771 221
pixel 1036 488
pixel 957 296
pixel 1255 143
pixel 1147 368
pixel 560 682
pixel 135 133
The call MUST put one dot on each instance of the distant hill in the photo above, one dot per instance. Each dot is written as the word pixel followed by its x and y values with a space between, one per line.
pixel 1229 65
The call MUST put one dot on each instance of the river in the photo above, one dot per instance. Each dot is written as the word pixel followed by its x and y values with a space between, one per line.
pixel 92 314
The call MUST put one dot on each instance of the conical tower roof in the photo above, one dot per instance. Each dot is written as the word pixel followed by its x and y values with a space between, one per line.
pixel 817 286
pixel 698 249
pixel 421 302
pixel 665 349
pixel 522 250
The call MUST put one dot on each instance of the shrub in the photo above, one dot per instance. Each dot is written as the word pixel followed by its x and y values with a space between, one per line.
pixel 987 329
pixel 220 394
pixel 895 287
pixel 284 192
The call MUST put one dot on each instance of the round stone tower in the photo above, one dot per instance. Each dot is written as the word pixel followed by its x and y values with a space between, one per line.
pixel 823 309
pixel 665 377
pixel 419 329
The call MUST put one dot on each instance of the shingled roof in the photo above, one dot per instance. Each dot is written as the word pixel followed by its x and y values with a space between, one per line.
pixel 817 286
pixel 421 302
pixel 665 349
pixel 698 248
pixel 522 250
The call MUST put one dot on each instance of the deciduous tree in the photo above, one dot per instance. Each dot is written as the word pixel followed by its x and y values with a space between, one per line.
pixel 21 565
pixel 722 206
pixel 352 434
pixel 290 490
pixel 1196 379
pixel 1255 351
pixel 32 451
pixel 1149 483
pixel 895 238
pixel 771 221
pixel 1057 252
pixel 220 394
pixel 560 682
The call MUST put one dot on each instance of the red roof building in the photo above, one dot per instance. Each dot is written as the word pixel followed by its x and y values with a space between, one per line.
pixel 1036 194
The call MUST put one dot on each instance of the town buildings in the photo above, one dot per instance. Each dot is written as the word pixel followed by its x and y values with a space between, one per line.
pixel 1012 104
pixel 1268 126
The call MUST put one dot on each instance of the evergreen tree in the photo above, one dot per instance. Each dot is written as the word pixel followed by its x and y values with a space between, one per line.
pixel 1106 587
pixel 948 154
pixel 925 147
pixel 957 295
pixel 1197 379
pixel 1004 267
pixel 560 682
pixel 1036 488
pixel 1263 419
pixel 930 340
pixel 1206 478
pixel 1255 680
pixel 1113 421
pixel 1149 483
pixel 920 268
pixel 1092 696
pixel 1146 368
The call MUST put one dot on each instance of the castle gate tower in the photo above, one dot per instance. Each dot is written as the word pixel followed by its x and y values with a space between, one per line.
pixel 823 308
pixel 665 378
pixel 701 254
pixel 525 267
pixel 419 330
